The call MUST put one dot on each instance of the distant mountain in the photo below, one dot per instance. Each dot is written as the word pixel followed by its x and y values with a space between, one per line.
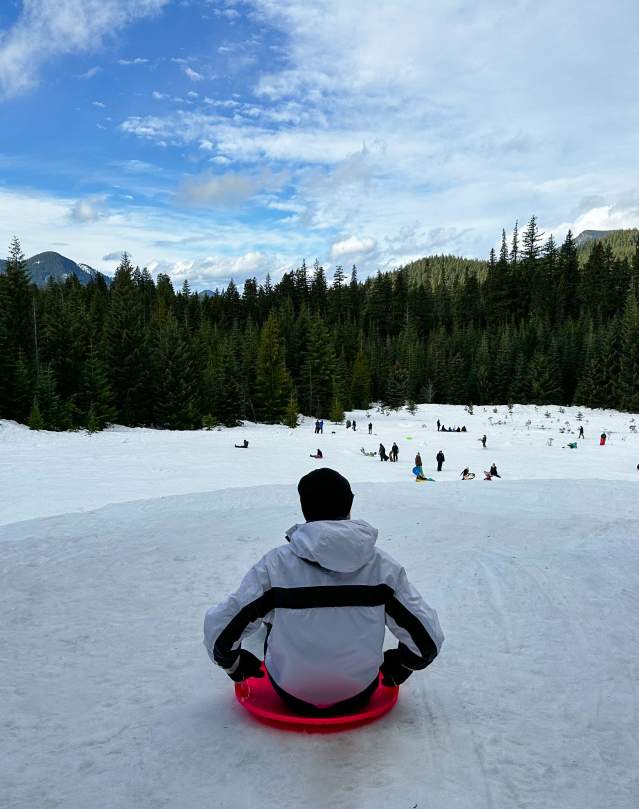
pixel 591 235
pixel 623 243
pixel 53 265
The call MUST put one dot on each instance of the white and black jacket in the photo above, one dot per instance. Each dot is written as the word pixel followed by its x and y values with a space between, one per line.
pixel 326 597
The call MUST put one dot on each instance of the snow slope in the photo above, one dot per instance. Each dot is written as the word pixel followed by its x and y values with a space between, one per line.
pixel 53 473
pixel 109 700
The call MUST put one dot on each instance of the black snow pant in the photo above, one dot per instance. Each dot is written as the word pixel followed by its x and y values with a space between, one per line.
pixel 346 706
pixel 439 466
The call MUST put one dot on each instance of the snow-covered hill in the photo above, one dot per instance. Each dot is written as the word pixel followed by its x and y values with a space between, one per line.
pixel 113 545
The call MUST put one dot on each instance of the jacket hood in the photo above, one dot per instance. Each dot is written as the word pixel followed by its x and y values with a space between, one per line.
pixel 340 545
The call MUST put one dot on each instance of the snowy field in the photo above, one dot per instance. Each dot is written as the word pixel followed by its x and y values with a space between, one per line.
pixel 113 545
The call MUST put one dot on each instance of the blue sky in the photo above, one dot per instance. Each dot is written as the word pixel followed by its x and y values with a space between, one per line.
pixel 228 138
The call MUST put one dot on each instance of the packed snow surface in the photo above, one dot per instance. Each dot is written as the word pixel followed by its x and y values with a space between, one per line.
pixel 113 545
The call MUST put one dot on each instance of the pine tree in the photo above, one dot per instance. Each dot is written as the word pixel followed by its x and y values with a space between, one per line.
pixel 361 382
pixel 544 379
pixel 95 401
pixel 291 419
pixel 337 411
pixel 228 403
pixel 126 349
pixel 35 421
pixel 273 388
pixel 53 411
pixel 397 388
pixel 173 377
pixel 629 364
pixel 315 383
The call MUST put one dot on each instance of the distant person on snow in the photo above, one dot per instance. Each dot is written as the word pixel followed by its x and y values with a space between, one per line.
pixel 362 590
pixel 394 454
pixel 494 472
pixel 382 453
pixel 463 429
pixel 318 454
pixel 354 425
pixel 370 428
pixel 440 460
pixel 602 439
pixel 243 445
pixel 466 474
pixel 581 431
pixel 483 441
pixel 348 424
pixel 316 426
pixel 438 425
pixel 321 426
pixel 419 470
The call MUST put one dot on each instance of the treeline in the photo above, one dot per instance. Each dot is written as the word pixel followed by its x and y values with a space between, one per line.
pixel 532 324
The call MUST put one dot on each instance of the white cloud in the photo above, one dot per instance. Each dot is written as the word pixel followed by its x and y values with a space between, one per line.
pixel 49 28
pixel 99 104
pixel 226 190
pixel 137 61
pixel 89 209
pixel 352 246
pixel 90 73
pixel 159 96
pixel 192 74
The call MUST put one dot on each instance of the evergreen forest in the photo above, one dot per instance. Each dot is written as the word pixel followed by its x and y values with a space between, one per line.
pixel 537 322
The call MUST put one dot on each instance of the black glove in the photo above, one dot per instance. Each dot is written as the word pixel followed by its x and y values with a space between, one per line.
pixel 393 671
pixel 247 666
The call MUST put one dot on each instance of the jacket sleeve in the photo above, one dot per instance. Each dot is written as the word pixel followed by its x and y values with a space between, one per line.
pixel 239 616
pixel 414 624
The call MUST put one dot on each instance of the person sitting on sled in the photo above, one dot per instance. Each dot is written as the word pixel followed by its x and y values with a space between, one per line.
pixel 318 454
pixel 243 445
pixel 325 597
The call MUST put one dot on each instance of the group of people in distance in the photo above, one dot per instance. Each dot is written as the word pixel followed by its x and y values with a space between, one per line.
pixel 442 429
pixel 319 426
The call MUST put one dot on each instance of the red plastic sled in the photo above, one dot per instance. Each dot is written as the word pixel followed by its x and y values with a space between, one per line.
pixel 259 698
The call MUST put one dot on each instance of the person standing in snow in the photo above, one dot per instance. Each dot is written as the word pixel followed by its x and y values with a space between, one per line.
pixel 483 441
pixel 321 426
pixel 440 460
pixel 348 424
pixel 354 426
pixel 382 453
pixel 328 589
pixel 370 428
pixel 602 440
pixel 438 425
pixel 581 431
pixel 394 453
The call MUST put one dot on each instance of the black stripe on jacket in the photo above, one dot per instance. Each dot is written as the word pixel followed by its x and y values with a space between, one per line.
pixel 301 598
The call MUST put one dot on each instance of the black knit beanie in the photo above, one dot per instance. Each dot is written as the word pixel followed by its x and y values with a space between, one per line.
pixel 325 495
